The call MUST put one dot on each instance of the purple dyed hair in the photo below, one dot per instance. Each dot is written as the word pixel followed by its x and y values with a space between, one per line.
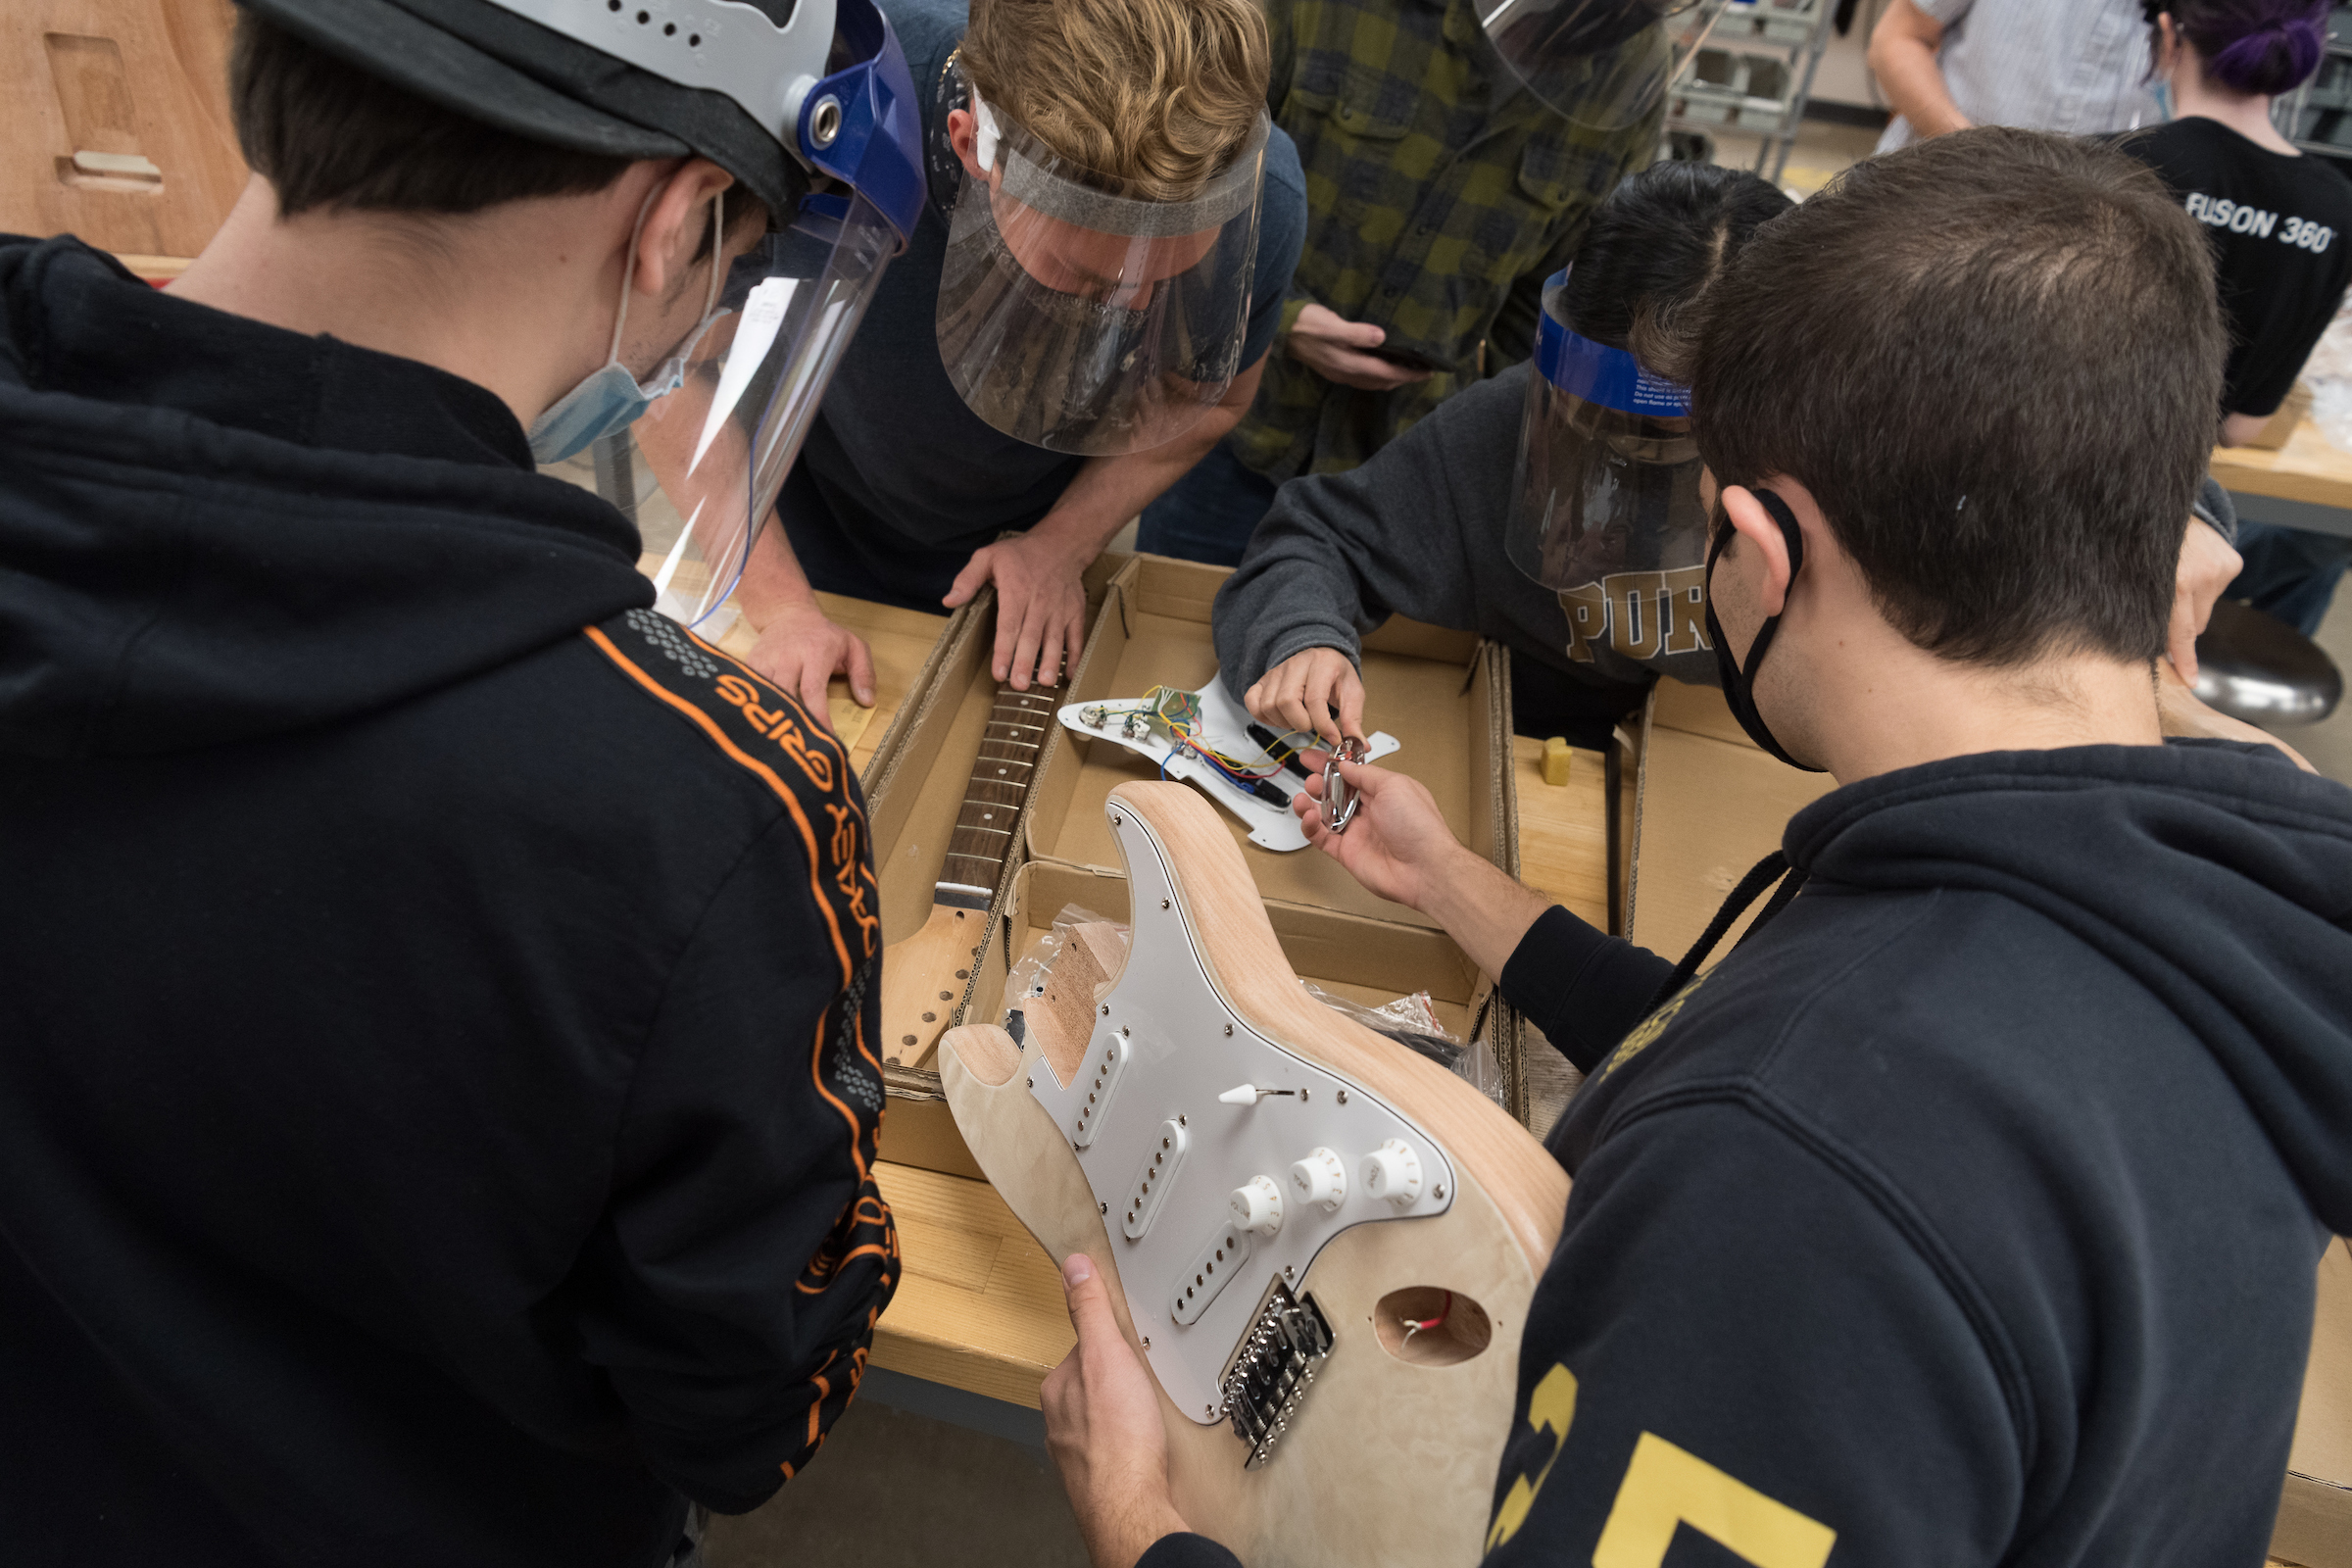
pixel 2260 46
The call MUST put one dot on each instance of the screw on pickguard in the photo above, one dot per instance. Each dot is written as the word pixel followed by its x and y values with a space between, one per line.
pixel 1267 1378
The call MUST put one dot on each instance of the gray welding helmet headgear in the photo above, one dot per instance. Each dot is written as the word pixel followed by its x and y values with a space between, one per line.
pixel 1079 319
pixel 808 103
pixel 1603 64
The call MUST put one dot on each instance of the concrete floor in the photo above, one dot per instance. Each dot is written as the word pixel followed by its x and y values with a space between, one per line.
pixel 890 1490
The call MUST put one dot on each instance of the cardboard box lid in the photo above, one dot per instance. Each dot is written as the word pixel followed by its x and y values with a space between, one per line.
pixel 2315 1509
pixel 1442 693
pixel 1709 806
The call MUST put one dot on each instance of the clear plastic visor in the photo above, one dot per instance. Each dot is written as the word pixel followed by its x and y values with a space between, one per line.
pixel 1603 64
pixel 1082 321
pixel 1607 478
pixel 700 470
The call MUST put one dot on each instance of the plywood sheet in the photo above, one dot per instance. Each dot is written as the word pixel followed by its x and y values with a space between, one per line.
pixel 140 89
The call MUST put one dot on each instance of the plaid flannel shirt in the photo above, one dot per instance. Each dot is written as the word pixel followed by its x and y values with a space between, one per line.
pixel 1439 197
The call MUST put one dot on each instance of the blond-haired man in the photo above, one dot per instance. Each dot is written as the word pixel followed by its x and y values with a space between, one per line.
pixel 1082 312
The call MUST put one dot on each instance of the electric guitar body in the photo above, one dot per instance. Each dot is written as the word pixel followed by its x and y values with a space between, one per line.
pixel 1329 1272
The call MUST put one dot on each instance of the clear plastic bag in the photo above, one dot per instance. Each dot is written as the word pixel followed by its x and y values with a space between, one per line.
pixel 1027 977
pixel 2328 372
pixel 1411 1021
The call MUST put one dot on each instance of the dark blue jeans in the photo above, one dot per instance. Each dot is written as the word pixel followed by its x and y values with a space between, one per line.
pixel 2290 574
pixel 1210 513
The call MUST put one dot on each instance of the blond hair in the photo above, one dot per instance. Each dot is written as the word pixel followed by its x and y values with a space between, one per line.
pixel 1154 95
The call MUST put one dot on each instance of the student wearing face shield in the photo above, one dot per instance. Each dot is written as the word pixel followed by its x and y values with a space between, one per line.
pixel 1555 507
pixel 438 1084
pixel 1082 311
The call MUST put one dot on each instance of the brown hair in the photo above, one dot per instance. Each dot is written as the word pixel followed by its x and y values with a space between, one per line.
pixel 1994 359
pixel 1155 95
pixel 326 134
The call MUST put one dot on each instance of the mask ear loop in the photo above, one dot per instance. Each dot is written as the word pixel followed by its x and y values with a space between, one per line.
pixel 628 274
pixel 628 267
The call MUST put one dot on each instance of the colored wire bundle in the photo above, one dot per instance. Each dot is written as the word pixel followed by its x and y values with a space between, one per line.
pixel 1178 711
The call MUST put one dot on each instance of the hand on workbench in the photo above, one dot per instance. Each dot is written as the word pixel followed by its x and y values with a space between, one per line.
pixel 1102 1428
pixel 2207 567
pixel 1339 350
pixel 801 649
pixel 1298 694
pixel 1041 605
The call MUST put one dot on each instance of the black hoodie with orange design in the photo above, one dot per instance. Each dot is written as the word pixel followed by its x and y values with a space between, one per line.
pixel 439 1073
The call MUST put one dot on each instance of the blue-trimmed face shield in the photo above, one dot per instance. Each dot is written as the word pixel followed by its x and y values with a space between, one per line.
pixel 1608 481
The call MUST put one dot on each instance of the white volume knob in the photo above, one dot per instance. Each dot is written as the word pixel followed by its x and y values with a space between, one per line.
pixel 1393 1171
pixel 1320 1178
pixel 1257 1205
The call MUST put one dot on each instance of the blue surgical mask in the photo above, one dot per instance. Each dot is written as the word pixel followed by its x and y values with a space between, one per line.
pixel 2162 91
pixel 611 398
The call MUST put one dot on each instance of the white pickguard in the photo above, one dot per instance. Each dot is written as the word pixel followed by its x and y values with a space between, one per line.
pixel 1224 725
pixel 1178 1044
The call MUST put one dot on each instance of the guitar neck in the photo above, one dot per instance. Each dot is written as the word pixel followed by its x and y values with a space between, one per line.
pixel 1009 748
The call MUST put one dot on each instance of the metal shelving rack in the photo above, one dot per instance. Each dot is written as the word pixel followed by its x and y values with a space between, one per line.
pixel 2317 117
pixel 1750 72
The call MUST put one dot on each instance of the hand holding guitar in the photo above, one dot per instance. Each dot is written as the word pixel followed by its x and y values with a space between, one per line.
pixel 1102 1429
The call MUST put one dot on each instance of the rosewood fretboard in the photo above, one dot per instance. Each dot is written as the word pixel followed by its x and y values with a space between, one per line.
pixel 1009 748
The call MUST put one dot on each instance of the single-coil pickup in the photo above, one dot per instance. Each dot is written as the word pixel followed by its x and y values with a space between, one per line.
pixel 1154 1178
pixel 1209 1271
pixel 1098 1080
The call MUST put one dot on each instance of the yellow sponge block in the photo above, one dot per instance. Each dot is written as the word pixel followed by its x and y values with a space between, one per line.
pixel 1555 761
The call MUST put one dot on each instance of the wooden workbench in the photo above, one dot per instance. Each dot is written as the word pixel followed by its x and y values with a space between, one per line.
pixel 980 1305
pixel 2305 484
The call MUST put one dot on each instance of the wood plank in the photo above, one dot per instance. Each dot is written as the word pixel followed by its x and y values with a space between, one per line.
pixel 996 1331
pixel 2307 469
pixel 1563 830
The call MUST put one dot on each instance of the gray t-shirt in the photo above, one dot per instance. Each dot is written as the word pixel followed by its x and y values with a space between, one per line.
pixel 2076 67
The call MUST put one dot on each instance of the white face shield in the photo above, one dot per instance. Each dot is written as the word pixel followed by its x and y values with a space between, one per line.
pixel 717 450
pixel 1603 64
pixel 1084 321
pixel 718 427
pixel 1607 481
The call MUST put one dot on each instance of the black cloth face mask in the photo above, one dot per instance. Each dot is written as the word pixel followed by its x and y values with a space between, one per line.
pixel 1740 685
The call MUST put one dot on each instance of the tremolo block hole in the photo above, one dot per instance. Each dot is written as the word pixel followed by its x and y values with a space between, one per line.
pixel 1427 1325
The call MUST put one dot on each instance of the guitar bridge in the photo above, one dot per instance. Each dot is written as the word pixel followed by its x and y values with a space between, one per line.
pixel 1271 1369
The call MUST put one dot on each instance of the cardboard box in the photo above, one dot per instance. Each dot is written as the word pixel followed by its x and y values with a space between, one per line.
pixel 1706 804
pixel 1444 695
pixel 2314 1510
pixel 915 789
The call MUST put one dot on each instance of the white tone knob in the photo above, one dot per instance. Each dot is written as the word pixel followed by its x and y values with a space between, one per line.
pixel 1320 1178
pixel 1257 1205
pixel 1240 1095
pixel 1393 1171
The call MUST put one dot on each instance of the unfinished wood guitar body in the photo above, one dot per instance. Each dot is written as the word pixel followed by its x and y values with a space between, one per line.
pixel 1290 1233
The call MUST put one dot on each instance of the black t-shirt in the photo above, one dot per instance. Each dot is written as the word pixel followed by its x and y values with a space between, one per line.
pixel 900 482
pixel 2280 224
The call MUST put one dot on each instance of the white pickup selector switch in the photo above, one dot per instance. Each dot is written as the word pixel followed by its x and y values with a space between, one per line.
pixel 1320 1178
pixel 1257 1205
pixel 1393 1171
